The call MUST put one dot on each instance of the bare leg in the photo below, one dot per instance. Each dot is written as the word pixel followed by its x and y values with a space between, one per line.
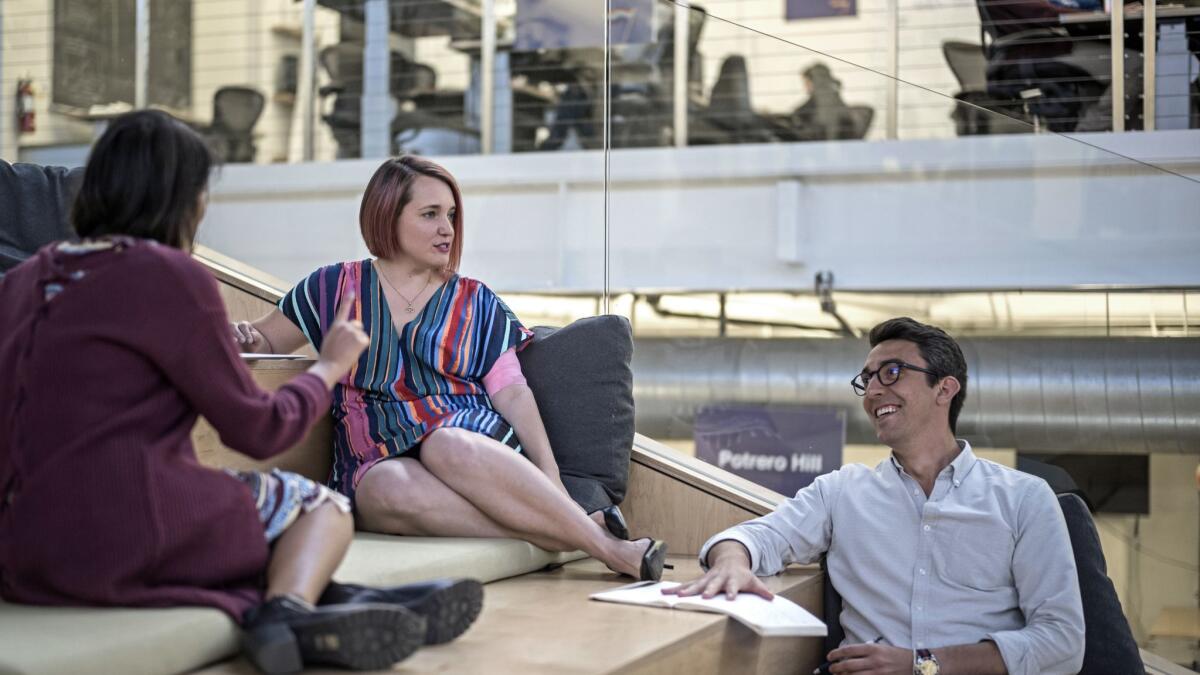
pixel 598 518
pixel 306 555
pixel 515 494
pixel 400 496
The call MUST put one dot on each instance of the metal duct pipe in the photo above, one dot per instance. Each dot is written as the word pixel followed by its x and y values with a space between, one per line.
pixel 1096 395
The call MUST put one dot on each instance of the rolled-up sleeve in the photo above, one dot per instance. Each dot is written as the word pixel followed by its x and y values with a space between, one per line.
pixel 1047 590
pixel 798 530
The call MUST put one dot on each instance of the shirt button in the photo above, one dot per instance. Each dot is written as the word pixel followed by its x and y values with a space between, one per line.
pixel 922 571
pixel 916 491
pixel 928 528
pixel 920 644
pixel 919 608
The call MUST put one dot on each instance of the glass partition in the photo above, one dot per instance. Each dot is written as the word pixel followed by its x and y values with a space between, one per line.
pixel 454 77
pixel 851 162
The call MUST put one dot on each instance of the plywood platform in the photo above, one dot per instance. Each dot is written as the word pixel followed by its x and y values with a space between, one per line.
pixel 544 623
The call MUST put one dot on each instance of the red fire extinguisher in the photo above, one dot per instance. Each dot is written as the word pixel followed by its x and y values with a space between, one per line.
pixel 26 117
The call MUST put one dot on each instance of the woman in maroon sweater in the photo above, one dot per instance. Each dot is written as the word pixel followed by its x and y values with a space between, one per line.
pixel 110 348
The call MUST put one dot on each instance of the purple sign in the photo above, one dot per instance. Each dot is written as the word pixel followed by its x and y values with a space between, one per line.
pixel 816 9
pixel 783 448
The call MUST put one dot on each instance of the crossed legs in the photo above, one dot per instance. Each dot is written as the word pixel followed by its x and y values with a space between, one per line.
pixel 469 485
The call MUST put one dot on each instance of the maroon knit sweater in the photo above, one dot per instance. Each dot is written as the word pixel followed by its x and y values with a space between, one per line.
pixel 106 359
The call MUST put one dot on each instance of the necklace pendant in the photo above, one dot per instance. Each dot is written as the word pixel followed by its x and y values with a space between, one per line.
pixel 409 309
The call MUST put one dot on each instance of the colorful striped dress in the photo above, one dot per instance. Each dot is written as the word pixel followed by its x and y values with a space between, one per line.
pixel 409 382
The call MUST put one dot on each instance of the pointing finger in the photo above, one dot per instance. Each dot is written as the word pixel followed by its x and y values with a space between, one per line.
pixel 343 310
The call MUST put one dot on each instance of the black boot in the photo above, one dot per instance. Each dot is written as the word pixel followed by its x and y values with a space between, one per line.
pixel 285 634
pixel 449 606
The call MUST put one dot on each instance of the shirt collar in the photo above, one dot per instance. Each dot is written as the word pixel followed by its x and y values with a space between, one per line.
pixel 959 468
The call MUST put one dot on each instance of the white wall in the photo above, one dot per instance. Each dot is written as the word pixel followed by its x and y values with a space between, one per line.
pixel 28 43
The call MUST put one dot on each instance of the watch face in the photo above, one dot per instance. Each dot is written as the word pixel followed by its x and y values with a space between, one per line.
pixel 927 667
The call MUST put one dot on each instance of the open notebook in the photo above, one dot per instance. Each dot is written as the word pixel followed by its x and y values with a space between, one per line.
pixel 765 617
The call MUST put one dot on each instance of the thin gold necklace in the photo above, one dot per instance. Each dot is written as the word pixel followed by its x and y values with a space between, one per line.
pixel 409 309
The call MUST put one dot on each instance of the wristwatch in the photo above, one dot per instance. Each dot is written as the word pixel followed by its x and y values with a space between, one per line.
pixel 925 663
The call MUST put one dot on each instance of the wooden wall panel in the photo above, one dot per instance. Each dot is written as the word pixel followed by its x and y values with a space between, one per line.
pixel 661 506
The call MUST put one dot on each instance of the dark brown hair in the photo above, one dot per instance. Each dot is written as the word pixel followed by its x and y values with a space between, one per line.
pixel 941 353
pixel 144 178
pixel 389 191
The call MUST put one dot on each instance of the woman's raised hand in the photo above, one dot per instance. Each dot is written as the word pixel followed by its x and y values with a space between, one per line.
pixel 344 341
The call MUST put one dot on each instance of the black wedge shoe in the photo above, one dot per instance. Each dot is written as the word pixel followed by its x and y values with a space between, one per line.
pixel 285 634
pixel 614 521
pixel 449 606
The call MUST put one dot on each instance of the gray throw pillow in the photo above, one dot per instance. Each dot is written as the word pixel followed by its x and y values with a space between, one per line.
pixel 583 384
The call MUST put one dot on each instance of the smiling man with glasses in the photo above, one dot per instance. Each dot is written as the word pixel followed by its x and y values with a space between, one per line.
pixel 946 563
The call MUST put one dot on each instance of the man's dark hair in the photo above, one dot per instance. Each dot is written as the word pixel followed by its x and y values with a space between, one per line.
pixel 144 178
pixel 941 353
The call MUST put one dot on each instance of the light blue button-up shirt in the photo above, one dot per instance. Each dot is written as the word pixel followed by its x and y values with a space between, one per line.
pixel 986 556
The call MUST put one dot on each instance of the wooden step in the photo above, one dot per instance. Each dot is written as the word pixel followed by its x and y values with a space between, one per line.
pixel 545 623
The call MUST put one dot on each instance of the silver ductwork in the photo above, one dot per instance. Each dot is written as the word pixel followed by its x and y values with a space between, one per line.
pixel 1095 395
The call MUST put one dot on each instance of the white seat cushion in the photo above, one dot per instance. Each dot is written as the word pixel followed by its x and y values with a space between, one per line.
pixel 69 640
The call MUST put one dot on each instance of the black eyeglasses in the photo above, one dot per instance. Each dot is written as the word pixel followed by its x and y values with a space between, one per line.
pixel 888 373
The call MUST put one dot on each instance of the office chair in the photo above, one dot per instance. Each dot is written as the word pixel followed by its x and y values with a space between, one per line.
pixel 1047 90
pixel 418 105
pixel 860 117
pixel 729 105
pixel 1108 644
pixel 969 64
pixel 235 112
pixel 345 114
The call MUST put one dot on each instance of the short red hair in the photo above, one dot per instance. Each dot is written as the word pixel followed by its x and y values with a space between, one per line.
pixel 389 191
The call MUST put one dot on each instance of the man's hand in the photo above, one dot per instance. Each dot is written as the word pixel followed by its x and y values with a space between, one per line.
pixel 728 573
pixel 871 659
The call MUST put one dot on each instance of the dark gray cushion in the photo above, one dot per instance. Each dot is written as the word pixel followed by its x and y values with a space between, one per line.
pixel 1109 646
pixel 35 204
pixel 581 378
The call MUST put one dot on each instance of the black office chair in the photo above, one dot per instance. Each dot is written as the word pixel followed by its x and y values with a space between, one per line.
pixel 975 112
pixel 1108 646
pixel 729 107
pixel 235 112
pixel 342 62
pixel 1047 90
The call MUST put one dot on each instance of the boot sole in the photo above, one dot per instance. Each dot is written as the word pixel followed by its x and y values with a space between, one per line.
pixel 450 611
pixel 372 638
